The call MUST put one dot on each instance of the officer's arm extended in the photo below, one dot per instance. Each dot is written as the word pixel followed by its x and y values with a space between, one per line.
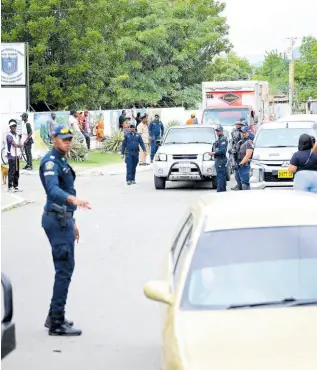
pixel 142 144
pixel 222 148
pixel 51 171
pixel 248 154
pixel 124 145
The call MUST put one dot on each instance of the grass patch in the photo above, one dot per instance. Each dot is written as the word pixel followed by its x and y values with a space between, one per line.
pixel 95 159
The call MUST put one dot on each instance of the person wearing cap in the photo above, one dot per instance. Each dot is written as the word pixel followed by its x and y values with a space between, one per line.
pixel 219 152
pixel 58 222
pixel 236 137
pixel 130 149
pixel 14 145
pixel 193 120
pixel 156 131
pixel 245 152
pixel 28 142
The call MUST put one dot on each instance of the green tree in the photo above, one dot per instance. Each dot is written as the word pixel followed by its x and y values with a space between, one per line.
pixel 275 71
pixel 228 68
pixel 112 54
pixel 306 70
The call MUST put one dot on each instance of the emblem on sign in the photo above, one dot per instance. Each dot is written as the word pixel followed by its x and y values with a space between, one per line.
pixel 9 65
pixel 229 98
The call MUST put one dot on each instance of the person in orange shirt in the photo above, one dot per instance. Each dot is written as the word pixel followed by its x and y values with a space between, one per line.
pixel 193 120
pixel 99 132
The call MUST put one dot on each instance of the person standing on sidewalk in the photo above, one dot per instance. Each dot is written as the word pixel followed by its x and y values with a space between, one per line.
pixel 143 130
pixel 13 152
pixel 156 131
pixel 58 222
pixel 130 148
pixel 28 142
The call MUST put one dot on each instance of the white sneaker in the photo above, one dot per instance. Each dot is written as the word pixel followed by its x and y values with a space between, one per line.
pixel 17 190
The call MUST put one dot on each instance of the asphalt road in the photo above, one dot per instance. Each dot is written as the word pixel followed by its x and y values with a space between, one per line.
pixel 124 240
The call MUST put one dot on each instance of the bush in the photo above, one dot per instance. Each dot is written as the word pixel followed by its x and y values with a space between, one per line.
pixel 172 124
pixel 114 143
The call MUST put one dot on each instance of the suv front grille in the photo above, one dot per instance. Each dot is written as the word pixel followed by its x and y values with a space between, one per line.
pixel 185 156
pixel 269 177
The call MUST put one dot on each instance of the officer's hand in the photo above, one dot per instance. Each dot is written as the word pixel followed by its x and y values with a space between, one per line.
pixel 78 203
pixel 76 233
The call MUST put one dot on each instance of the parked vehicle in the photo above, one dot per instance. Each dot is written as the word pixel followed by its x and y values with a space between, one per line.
pixel 183 155
pixel 240 292
pixel 225 102
pixel 274 146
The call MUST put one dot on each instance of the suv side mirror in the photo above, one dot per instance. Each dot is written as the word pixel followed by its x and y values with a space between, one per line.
pixel 8 342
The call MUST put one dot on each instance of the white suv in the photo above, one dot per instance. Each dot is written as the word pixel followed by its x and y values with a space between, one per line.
pixel 184 156
pixel 274 146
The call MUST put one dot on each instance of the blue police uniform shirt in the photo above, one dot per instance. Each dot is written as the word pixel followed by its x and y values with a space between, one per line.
pixel 221 147
pixel 58 179
pixel 251 136
pixel 131 143
pixel 156 128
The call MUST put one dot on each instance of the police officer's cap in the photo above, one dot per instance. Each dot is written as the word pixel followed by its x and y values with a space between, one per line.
pixel 63 132
pixel 245 129
pixel 219 128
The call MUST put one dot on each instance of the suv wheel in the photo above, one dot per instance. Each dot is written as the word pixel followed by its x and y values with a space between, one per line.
pixel 159 182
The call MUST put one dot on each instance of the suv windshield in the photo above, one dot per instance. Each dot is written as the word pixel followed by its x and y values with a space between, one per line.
pixel 225 117
pixel 281 137
pixel 227 270
pixel 190 135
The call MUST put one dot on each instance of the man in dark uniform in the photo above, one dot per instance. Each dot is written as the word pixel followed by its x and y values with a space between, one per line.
pixel 28 142
pixel 130 147
pixel 58 221
pixel 156 132
pixel 220 153
pixel 245 153
pixel 236 137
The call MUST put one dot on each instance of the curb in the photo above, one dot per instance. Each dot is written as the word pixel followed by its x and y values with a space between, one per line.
pixel 20 202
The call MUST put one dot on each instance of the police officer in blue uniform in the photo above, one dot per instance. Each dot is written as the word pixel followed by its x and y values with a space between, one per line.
pixel 130 148
pixel 58 221
pixel 156 131
pixel 245 153
pixel 220 153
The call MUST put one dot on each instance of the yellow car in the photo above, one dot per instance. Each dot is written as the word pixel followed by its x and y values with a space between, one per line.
pixel 240 290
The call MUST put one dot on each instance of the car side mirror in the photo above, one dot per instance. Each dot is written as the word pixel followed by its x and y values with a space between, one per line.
pixel 8 342
pixel 158 291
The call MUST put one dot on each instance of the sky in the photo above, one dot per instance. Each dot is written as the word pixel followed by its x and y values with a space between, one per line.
pixel 260 25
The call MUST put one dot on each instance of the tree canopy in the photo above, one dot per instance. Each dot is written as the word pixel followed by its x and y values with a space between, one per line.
pixel 110 54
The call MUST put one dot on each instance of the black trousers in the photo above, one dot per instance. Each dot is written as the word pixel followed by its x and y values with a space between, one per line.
pixel 87 137
pixel 13 175
pixel 28 153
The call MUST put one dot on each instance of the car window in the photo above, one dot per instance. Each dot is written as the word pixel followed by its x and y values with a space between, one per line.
pixel 179 241
pixel 281 137
pixel 182 258
pixel 190 135
pixel 233 267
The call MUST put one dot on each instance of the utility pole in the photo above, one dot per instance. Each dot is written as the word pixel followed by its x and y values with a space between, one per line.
pixel 291 81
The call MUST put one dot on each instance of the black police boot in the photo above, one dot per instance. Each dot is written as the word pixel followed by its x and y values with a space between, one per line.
pixel 59 328
pixel 236 188
pixel 49 319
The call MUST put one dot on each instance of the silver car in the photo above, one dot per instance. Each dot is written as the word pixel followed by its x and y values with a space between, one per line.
pixel 274 146
pixel 183 155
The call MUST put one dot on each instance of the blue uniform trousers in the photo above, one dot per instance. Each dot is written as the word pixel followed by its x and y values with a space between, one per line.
pixel 221 170
pixel 244 174
pixel 153 146
pixel 131 160
pixel 62 240
pixel 237 178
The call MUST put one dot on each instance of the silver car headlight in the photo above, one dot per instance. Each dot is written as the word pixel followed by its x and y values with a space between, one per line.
pixel 256 171
pixel 161 157
pixel 207 157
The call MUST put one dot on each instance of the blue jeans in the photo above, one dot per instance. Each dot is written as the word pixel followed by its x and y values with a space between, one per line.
pixel 237 178
pixel 306 181
pixel 62 240
pixel 221 171
pixel 131 160
pixel 154 146
pixel 244 174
